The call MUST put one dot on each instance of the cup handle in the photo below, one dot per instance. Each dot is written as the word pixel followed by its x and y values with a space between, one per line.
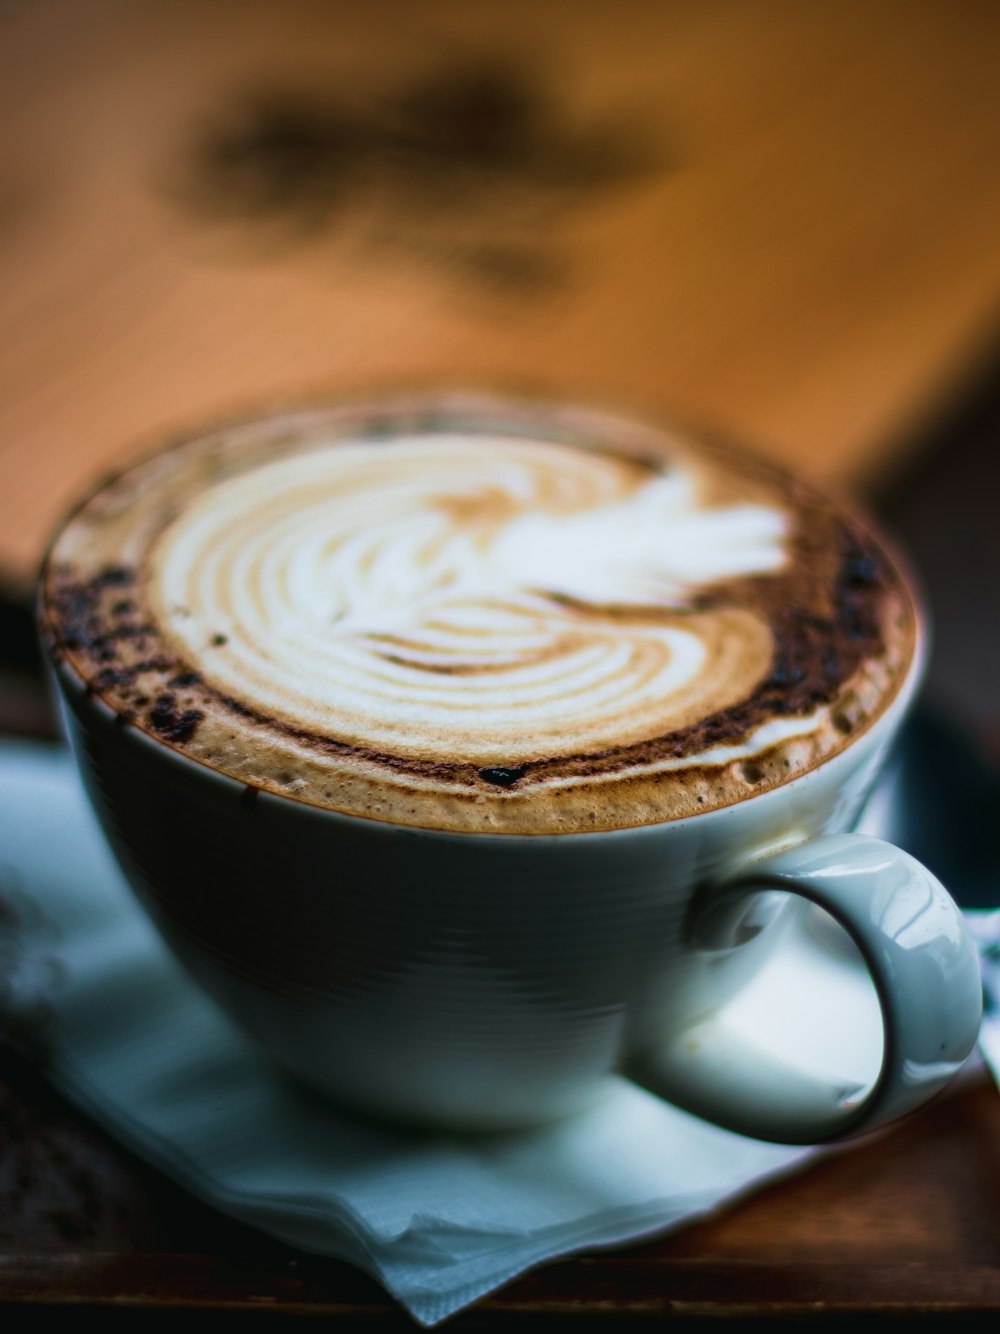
pixel 922 961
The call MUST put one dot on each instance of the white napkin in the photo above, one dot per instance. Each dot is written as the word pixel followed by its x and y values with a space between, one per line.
pixel 438 1219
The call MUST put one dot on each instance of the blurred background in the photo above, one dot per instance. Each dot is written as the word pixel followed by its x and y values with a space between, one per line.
pixel 779 218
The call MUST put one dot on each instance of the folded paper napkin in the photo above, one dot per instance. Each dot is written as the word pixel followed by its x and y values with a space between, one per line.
pixel 438 1219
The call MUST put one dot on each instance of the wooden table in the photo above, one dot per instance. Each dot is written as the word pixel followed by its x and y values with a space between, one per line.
pixel 780 218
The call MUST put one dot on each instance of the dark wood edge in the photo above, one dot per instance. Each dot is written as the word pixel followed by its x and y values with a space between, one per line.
pixel 627 1285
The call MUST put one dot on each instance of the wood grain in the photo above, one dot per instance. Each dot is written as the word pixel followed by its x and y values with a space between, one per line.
pixel 781 219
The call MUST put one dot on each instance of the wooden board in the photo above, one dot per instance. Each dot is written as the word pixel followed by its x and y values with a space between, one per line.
pixel 779 218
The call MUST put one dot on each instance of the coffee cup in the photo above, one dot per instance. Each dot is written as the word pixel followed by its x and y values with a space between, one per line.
pixel 469 750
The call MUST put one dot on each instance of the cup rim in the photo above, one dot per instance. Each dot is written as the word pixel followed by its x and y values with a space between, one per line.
pixel 885 726
pixel 522 400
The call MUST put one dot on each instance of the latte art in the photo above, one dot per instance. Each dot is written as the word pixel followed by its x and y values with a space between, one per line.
pixel 471 614
pixel 452 599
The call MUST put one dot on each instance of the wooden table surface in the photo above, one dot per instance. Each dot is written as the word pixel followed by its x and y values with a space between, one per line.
pixel 779 218
pixel 906 1224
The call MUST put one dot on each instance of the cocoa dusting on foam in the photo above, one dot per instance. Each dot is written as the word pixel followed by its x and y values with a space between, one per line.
pixel 828 630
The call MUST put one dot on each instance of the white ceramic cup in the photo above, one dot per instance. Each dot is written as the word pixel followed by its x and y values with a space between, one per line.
pixel 487 981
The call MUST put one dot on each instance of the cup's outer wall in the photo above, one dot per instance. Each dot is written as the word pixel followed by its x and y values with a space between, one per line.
pixel 445 978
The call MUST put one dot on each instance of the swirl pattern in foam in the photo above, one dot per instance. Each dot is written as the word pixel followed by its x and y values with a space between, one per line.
pixel 467 600
pixel 480 615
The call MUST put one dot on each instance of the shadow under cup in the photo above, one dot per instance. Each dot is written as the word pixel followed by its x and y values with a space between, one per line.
pixel 477 981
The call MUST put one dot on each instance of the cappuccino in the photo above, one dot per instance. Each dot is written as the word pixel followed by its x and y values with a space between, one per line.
pixel 471 614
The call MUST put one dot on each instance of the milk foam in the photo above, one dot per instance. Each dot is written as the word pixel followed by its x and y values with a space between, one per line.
pixel 468 598
pixel 466 613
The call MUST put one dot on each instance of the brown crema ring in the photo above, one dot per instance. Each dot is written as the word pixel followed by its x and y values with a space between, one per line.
pixel 842 622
